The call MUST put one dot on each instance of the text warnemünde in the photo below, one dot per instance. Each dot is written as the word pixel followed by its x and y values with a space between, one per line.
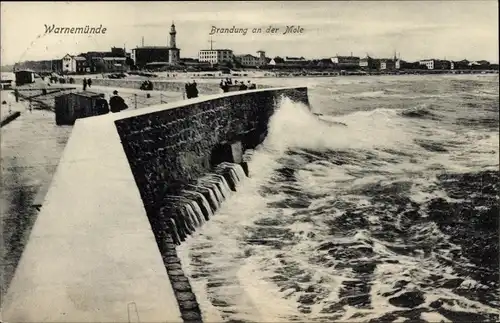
pixel 75 30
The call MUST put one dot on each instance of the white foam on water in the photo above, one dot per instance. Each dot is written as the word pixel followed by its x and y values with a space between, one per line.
pixel 248 268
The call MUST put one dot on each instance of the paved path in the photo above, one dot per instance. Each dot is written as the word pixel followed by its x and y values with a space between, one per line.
pixel 31 147
pixel 91 252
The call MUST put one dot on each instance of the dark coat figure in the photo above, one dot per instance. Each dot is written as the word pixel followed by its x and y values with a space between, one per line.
pixel 89 82
pixel 147 85
pixel 116 103
pixel 191 90
pixel 16 93
pixel 84 84
pixel 195 90
pixel 224 86
pixel 242 86
pixel 102 105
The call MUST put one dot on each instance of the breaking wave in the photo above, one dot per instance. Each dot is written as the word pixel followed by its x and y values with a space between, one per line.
pixel 393 217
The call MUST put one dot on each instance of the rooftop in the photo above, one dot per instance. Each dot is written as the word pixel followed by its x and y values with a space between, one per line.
pixel 151 47
pixel 215 50
pixel 337 56
pixel 114 58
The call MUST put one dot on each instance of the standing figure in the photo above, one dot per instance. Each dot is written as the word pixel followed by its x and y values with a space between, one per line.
pixel 84 84
pixel 89 82
pixel 116 103
pixel 102 105
pixel 195 90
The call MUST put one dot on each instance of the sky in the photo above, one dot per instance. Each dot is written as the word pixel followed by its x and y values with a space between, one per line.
pixel 415 29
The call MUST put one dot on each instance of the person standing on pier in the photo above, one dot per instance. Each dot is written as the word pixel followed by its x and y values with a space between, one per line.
pixel 102 105
pixel 195 90
pixel 187 87
pixel 89 82
pixel 84 84
pixel 116 103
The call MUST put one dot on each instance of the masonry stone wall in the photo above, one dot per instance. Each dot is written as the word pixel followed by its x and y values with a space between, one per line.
pixel 174 146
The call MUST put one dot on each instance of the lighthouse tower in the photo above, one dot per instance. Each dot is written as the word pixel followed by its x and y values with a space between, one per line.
pixel 173 51
pixel 172 36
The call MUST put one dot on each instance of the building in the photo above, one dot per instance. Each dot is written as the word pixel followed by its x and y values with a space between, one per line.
pixel 482 64
pixel 277 61
pixel 56 65
pixel 402 64
pixel 263 60
pixel 325 63
pixel 248 60
pixel 435 64
pixel 75 105
pixel 369 63
pixel 215 56
pixel 117 52
pixel 80 64
pixel 24 77
pixel 289 62
pixel 36 66
pixel 149 54
pixel 141 56
pixel 345 61
pixel 193 63
pixel 68 64
pixel 73 64
pixel 114 64
pixel 387 64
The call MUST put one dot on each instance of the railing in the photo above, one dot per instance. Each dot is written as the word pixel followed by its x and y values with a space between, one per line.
pixel 138 101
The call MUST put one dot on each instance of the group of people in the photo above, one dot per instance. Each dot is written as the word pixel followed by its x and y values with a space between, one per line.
pixel 227 83
pixel 86 82
pixel 191 90
pixel 116 104
pixel 147 85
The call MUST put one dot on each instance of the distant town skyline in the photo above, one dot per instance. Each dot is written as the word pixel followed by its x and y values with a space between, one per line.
pixel 417 30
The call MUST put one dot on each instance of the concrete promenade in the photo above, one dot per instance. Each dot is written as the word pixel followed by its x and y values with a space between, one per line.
pixel 91 252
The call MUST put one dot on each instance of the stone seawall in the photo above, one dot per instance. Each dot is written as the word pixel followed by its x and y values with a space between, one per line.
pixel 158 85
pixel 175 146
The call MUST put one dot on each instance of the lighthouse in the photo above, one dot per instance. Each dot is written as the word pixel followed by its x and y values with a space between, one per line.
pixel 173 51
pixel 172 36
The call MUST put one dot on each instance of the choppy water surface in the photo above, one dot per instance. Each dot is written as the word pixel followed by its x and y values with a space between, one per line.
pixel 391 218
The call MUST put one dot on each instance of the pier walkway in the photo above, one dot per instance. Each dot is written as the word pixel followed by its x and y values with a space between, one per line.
pixel 91 255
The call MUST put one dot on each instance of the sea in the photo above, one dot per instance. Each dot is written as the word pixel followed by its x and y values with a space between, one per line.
pixel 377 203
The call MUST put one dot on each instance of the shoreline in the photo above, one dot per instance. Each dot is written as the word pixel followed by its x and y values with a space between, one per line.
pixel 210 76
